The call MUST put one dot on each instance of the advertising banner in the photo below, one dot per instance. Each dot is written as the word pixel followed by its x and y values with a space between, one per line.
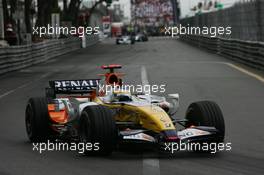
pixel 152 12
pixel 106 24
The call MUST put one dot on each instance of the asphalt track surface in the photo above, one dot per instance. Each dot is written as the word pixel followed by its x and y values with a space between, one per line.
pixel 195 74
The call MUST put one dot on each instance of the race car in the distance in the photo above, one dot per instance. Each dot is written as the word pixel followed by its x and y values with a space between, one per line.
pixel 125 39
pixel 75 110
pixel 141 37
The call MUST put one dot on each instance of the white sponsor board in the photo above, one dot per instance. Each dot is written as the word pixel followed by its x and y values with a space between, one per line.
pixel 106 24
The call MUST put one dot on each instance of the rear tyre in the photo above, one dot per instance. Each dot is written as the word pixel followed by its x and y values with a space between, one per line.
pixel 206 113
pixel 97 126
pixel 37 120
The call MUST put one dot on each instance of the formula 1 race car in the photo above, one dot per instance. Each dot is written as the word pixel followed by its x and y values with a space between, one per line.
pixel 118 117
pixel 125 39
pixel 141 37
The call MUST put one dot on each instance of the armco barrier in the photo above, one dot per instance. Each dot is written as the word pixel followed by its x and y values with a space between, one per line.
pixel 18 57
pixel 248 52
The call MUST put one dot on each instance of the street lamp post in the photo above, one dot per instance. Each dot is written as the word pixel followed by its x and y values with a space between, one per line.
pixel 1 21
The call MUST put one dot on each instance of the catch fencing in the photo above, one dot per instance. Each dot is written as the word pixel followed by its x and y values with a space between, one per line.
pixel 248 52
pixel 246 19
pixel 17 57
pixel 245 44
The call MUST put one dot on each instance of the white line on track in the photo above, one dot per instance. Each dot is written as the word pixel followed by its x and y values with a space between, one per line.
pixel 237 67
pixel 23 86
pixel 144 76
pixel 258 77
pixel 150 165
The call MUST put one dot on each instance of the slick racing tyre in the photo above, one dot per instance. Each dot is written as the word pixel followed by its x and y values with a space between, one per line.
pixel 97 126
pixel 37 120
pixel 206 113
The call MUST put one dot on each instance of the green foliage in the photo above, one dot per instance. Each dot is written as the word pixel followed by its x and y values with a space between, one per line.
pixel 108 2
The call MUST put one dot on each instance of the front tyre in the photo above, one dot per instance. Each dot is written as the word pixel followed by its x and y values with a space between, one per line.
pixel 206 113
pixel 97 126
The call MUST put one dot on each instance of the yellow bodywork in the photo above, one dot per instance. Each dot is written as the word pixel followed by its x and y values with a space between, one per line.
pixel 150 116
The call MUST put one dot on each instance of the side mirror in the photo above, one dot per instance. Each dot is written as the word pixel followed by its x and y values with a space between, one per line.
pixel 175 101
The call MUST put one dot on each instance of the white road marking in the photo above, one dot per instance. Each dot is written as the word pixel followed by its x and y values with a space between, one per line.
pixel 7 93
pixel 144 76
pixel 150 165
pixel 258 77
pixel 51 61
pixel 240 69
pixel 22 86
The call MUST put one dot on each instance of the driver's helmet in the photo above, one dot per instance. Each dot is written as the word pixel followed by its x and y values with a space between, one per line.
pixel 121 96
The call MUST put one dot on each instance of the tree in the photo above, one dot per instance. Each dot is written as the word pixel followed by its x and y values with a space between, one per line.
pixel 27 13
pixel 45 8
pixel 94 7
pixel 42 6
pixel 70 13
pixel 200 5
pixel 65 6
pixel 8 13
pixel 13 7
pixel 5 12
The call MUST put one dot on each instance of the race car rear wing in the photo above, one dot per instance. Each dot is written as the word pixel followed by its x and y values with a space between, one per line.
pixel 112 67
pixel 71 87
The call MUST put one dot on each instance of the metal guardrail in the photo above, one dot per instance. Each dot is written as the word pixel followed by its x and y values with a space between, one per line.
pixel 248 52
pixel 18 57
